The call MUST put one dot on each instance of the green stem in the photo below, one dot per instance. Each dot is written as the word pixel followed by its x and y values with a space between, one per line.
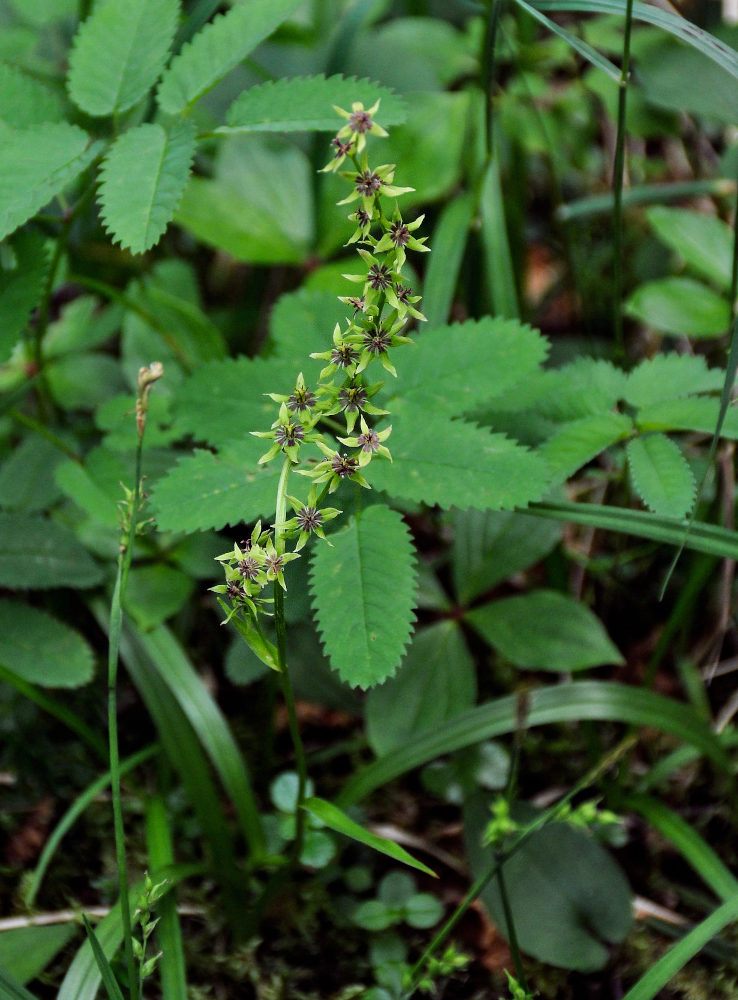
pixel 35 425
pixel 512 935
pixel 617 182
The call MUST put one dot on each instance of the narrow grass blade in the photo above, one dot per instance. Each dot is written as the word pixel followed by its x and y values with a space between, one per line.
pixel 645 194
pixel 109 981
pixel 171 664
pixel 649 985
pixel 71 816
pixel 449 242
pixel 574 702
pixel 684 30
pixel 688 842
pixel 335 819
pixel 578 44
pixel 172 969
pixel 702 537
pixel 11 989
pixel 499 270
pixel 83 977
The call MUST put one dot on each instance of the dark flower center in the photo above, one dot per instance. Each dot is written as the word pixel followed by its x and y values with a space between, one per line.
pixel 368 441
pixel 344 466
pixel 288 434
pixel 362 218
pixel 360 121
pixel 379 276
pixel 377 340
pixel 344 356
pixel 399 234
pixel 352 398
pixel 234 590
pixel 342 148
pixel 358 304
pixel 274 564
pixel 368 183
pixel 249 568
pixel 403 292
pixel 301 400
pixel 309 518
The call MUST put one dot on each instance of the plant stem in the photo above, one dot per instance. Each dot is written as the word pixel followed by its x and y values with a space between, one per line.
pixel 512 936
pixel 617 182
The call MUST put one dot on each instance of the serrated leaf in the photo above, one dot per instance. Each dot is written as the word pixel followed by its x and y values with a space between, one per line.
pixel 306 104
pixel 301 322
pixel 209 491
pixel 363 591
pixel 680 306
pixel 119 53
pixel 696 413
pixel 455 368
pixel 21 288
pixel 41 649
pixel 26 101
pixel 217 49
pixel 661 475
pixel 668 376
pixel 435 682
pixel 545 630
pixel 704 241
pixel 37 163
pixel 579 441
pixel 456 464
pixel 38 553
pixel 224 400
pixel 143 178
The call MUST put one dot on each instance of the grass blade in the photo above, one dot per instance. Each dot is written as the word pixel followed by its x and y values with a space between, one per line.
pixel 109 981
pixel 169 933
pixel 645 194
pixel 449 242
pixel 11 989
pixel 578 44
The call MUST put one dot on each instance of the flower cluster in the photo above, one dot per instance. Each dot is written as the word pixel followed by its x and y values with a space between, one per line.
pixel 378 314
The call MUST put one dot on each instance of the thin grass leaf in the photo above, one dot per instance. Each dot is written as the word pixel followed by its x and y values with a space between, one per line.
pixel 335 819
pixel 499 271
pixel 675 25
pixel 108 978
pixel 449 242
pixel 645 194
pixel 119 53
pixel 171 965
pixel 578 44
pixel 11 989
pixel 83 976
pixel 217 49
pixel 649 985
pixel 573 702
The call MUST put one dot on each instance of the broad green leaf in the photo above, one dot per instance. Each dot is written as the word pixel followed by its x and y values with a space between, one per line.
pixel 80 326
pixel 143 178
pixel 453 369
pixel 567 896
pixel 210 491
pixel 259 207
pixel 335 819
pixel 39 554
pixel 11 989
pixel 668 376
pixel 703 241
pixel 26 951
pixel 545 630
pixel 584 387
pixel 489 546
pixel 84 381
pixel 21 288
pixel 155 593
pixel 435 681
pixel 680 306
pixel 363 591
pixel 305 104
pixel 119 52
pixel 217 49
pixel 38 163
pixel 456 464
pixel 27 475
pixel 41 649
pixel 25 101
pixel 661 475
pixel 697 413
pixel 301 322
pixel 449 242
pixel 579 441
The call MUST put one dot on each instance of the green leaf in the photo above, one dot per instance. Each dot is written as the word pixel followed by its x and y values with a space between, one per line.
pixel 576 43
pixel 37 164
pixel 160 847
pixel 41 649
pixel 11 989
pixel 703 241
pixel 217 49
pixel 435 682
pixel 545 630
pixel 567 896
pixel 155 593
pixel 680 306
pixel 498 271
pixel 143 178
pixel 489 546
pixel 580 389
pixel 119 52
pixel 661 475
pixel 106 973
pixel 301 322
pixel 305 104
pixel 26 101
pixel 449 242
pixel 363 591
pixel 38 553
pixel 84 381
pixel 697 413
pixel 27 475
pixel 456 464
pixel 579 441
pixel 209 491
pixel 668 376
pixel 26 951
pixel 335 819
pixel 454 368
pixel 21 287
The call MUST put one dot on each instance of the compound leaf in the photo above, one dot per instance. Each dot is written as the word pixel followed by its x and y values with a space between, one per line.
pixel 217 49
pixel 119 53
pixel 21 287
pixel 42 650
pixel 37 163
pixel 668 376
pixel 38 553
pixel 209 491
pixel 143 178
pixel 661 475
pixel 456 464
pixel 579 441
pixel 26 101
pixel 305 103
pixel 694 413
pixel 363 589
